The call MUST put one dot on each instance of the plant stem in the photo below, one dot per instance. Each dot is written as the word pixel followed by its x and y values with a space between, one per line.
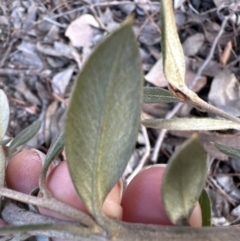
pixel 50 203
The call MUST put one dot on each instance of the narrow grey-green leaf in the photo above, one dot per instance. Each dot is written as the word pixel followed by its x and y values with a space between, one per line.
pixel 174 63
pixel 191 124
pixel 2 167
pixel 183 181
pixel 205 205
pixel 55 147
pixel 103 117
pixel 2 171
pixel 173 56
pixel 228 150
pixel 4 114
pixel 158 95
pixel 25 135
pixel 5 142
pixel 62 231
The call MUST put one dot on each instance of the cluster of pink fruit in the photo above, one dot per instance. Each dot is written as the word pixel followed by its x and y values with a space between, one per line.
pixel 140 202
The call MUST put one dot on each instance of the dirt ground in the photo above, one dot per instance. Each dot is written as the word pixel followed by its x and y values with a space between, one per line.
pixel 44 44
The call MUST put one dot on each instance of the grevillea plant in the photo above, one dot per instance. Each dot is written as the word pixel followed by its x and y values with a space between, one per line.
pixel 100 132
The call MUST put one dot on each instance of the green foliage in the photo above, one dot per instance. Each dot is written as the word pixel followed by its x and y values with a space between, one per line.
pixel 2 166
pixel 228 150
pixel 54 149
pixel 5 142
pixel 183 181
pixel 174 64
pixel 101 130
pixel 190 124
pixel 173 56
pixel 158 95
pixel 4 114
pixel 205 205
pixel 102 122
pixel 31 229
pixel 25 135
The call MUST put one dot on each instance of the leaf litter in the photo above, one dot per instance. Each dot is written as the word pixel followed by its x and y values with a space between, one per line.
pixel 41 54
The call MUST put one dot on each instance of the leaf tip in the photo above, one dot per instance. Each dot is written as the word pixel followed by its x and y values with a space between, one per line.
pixel 129 20
pixel 195 136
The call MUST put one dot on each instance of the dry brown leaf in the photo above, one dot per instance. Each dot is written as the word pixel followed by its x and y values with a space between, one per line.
pixel 192 44
pixel 178 3
pixel 61 80
pixel 225 92
pixel 156 76
pixel 207 137
pixel 158 110
pixel 226 53
pixel 26 93
pixel 189 77
pixel 108 19
pixel 211 70
pixel 80 31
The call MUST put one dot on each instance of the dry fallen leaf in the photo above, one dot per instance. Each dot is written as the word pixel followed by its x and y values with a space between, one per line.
pixel 156 76
pixel 192 44
pixel 61 80
pixel 80 31
pixel 206 137
pixel 178 3
pixel 226 53
pixel 225 92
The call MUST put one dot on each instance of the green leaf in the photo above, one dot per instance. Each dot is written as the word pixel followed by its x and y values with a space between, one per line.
pixel 206 210
pixel 174 64
pixel 158 95
pixel 58 230
pixel 228 150
pixel 25 135
pixel 4 114
pixel 190 124
pixel 183 181
pixel 2 167
pixel 2 171
pixel 5 142
pixel 55 147
pixel 103 117
pixel 173 56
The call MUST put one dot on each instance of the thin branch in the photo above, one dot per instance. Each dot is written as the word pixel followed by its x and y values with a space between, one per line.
pixel 222 191
pixel 16 216
pixel 8 71
pixel 50 203
pixel 7 52
pixel 210 55
pixel 163 132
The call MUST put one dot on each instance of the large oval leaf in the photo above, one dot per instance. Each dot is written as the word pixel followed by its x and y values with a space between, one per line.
pixel 184 180
pixel 4 114
pixel 103 117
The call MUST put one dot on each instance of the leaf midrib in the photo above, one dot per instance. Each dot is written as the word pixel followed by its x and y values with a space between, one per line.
pixel 97 153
